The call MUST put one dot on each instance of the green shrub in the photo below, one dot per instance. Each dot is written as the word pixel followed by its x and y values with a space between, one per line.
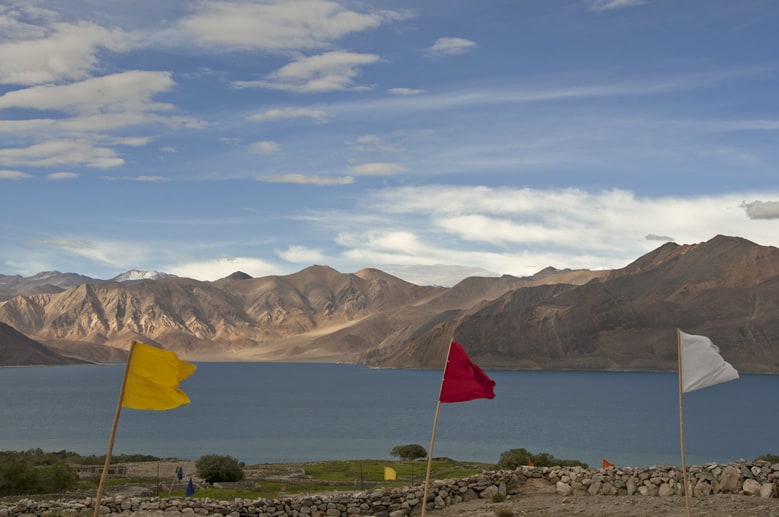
pixel 411 451
pixel 19 476
pixel 215 468
pixel 514 458
pixel 770 458
pixel 498 498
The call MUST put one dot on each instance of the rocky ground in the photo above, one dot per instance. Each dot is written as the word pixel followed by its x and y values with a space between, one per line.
pixel 549 505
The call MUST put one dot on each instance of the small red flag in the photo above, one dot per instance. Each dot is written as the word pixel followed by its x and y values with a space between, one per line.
pixel 607 464
pixel 463 380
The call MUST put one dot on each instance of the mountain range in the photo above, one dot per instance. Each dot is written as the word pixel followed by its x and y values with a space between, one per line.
pixel 726 288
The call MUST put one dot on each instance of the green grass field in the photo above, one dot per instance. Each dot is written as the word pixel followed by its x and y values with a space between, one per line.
pixel 329 476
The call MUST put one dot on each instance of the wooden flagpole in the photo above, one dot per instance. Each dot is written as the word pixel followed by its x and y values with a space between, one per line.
pixel 432 438
pixel 113 435
pixel 681 424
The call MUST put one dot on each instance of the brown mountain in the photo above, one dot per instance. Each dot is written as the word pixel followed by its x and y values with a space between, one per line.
pixel 44 282
pixel 16 349
pixel 233 318
pixel 726 288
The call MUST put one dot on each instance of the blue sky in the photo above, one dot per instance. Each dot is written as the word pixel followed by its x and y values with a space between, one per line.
pixel 432 139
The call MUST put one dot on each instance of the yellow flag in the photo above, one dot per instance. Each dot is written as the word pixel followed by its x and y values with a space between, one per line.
pixel 390 474
pixel 153 377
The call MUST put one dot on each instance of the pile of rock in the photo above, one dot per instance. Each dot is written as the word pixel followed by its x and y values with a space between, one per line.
pixel 753 478
pixel 747 478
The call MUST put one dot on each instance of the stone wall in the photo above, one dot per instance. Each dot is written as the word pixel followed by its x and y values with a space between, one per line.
pixel 756 479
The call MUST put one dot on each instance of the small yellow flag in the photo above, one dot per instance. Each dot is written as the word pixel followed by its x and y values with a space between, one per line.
pixel 153 377
pixel 390 474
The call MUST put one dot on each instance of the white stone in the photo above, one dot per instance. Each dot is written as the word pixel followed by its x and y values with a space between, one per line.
pixel 751 487
pixel 563 489
pixel 730 480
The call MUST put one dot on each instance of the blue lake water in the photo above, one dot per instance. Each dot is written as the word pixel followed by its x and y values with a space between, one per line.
pixel 282 412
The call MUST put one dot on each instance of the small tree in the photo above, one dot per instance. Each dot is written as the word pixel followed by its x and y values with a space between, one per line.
pixel 214 468
pixel 411 451
pixel 514 458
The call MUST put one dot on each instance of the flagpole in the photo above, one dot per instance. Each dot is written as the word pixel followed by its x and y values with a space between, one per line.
pixel 113 435
pixel 681 423
pixel 432 438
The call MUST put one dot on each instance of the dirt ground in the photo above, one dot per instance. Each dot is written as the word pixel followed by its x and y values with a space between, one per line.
pixel 549 505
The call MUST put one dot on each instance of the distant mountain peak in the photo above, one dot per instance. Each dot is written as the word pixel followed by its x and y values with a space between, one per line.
pixel 135 275
pixel 43 275
pixel 238 275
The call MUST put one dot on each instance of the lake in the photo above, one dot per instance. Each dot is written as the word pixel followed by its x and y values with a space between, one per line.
pixel 283 412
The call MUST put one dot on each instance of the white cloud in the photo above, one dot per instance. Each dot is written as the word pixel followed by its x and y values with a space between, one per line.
pixel 452 46
pixel 14 175
pixel 23 21
pixel 434 274
pixel 762 210
pixel 279 24
pixel 377 168
pixel 521 231
pixel 332 71
pixel 116 254
pixel 397 247
pixel 142 179
pixel 369 139
pixel 305 179
pixel 61 152
pixel 662 238
pixel 209 270
pixel 95 123
pixel 604 5
pixel 265 147
pixel 127 91
pixel 65 52
pixel 62 176
pixel 301 255
pixel 373 143
pixel 285 113
pixel 406 91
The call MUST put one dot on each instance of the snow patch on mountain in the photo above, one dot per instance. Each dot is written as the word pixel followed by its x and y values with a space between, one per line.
pixel 135 275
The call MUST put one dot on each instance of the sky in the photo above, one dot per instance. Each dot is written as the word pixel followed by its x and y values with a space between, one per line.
pixel 431 139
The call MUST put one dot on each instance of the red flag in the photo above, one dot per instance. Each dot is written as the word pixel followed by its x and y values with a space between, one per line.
pixel 607 464
pixel 463 380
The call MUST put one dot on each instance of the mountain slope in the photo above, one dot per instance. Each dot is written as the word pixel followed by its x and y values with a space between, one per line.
pixel 208 319
pixel 16 349
pixel 726 288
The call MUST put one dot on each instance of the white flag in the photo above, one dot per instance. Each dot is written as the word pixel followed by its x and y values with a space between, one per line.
pixel 702 366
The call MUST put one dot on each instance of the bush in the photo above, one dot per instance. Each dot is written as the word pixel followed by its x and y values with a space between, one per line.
pixel 411 451
pixel 22 477
pixel 771 458
pixel 214 468
pixel 514 458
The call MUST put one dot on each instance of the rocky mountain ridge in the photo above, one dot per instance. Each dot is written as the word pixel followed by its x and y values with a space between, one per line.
pixel 726 288
pixel 56 282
